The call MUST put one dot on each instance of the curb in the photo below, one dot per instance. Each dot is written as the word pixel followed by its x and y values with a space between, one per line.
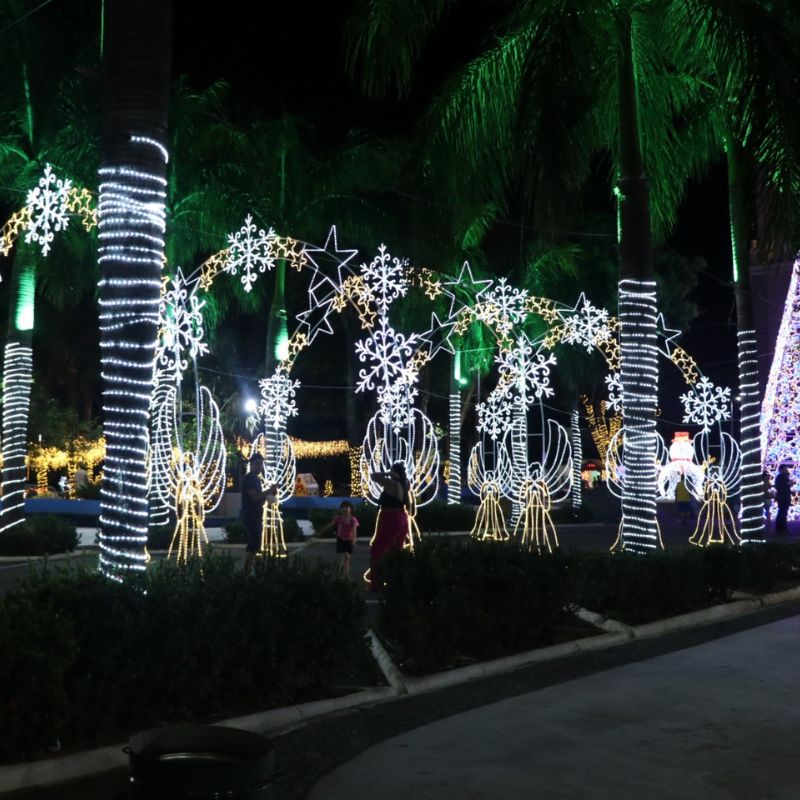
pixel 80 765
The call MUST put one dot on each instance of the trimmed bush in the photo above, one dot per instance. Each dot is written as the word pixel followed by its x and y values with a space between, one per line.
pixel 456 600
pixel 185 645
pixel 39 535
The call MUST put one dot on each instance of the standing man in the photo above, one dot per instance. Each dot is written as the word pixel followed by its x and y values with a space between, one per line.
pixel 252 507
pixel 783 496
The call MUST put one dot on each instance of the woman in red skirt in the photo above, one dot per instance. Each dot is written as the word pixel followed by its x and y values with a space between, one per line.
pixel 391 527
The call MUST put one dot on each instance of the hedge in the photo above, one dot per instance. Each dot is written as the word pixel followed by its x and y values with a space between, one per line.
pixel 235 532
pixel 435 517
pixel 39 535
pixel 471 600
pixel 185 645
pixel 455 601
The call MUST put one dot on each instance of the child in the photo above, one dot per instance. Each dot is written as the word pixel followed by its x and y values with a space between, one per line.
pixel 346 528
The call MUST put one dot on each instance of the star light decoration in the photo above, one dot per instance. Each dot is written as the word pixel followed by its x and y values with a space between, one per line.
pixel 586 325
pixel 47 204
pixel 250 252
pixel 325 294
pixel 278 398
pixel 526 371
pixel 705 404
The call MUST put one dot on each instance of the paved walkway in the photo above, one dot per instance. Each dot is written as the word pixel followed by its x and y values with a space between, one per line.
pixel 716 721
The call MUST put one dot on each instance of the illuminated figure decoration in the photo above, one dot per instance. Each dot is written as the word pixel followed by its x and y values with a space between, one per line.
pixel 278 480
pixel 715 522
pixel 682 464
pixel 195 474
pixel 48 209
pixel 540 484
pixel 780 413
pixel 487 484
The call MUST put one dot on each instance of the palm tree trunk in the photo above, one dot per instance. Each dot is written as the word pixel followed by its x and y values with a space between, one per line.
pixel 454 433
pixel 277 330
pixel 637 313
pixel 17 380
pixel 136 73
pixel 751 490
pixel 577 459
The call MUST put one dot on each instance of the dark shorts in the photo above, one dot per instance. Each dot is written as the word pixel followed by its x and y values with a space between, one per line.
pixel 343 546
pixel 252 529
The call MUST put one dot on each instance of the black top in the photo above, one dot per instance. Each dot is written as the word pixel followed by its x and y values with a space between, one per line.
pixel 783 487
pixel 387 500
pixel 251 509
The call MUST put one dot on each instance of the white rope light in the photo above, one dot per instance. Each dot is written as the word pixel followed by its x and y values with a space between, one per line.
pixel 639 377
pixel 454 478
pixel 577 459
pixel 752 489
pixel 17 380
pixel 132 222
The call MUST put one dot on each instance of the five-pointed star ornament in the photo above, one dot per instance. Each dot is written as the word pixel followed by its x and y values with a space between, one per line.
pixel 438 335
pixel 466 283
pixel 666 336
pixel 323 289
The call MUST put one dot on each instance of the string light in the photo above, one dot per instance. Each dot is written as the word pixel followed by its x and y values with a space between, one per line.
pixel 453 478
pixel 780 413
pixel 132 221
pixel 577 460
pixel 17 380
pixel 639 375
pixel 490 524
pixel 751 494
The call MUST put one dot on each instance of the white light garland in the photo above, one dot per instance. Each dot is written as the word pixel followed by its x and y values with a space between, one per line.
pixel 577 459
pixel 454 429
pixel 639 376
pixel 132 218
pixel 751 497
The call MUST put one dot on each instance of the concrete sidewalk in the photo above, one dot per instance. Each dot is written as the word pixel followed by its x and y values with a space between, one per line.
pixel 715 721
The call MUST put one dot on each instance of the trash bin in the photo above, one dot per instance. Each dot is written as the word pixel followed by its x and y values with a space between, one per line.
pixel 201 762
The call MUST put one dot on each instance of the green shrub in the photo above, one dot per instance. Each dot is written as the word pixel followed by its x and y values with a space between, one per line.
pixel 160 538
pixel 565 514
pixel 39 535
pixel 439 517
pixel 452 600
pixel 88 491
pixel 186 644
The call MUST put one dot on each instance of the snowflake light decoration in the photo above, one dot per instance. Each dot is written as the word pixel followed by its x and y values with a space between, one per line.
pixel 385 278
pixel 526 371
pixel 387 351
pixel 502 307
pixel 705 404
pixel 494 414
pixel 396 400
pixel 182 324
pixel 250 250
pixel 614 384
pixel 47 204
pixel 586 326
pixel 278 398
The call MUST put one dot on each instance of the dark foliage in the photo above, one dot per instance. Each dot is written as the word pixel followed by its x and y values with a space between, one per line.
pixel 235 532
pixel 39 535
pixel 186 644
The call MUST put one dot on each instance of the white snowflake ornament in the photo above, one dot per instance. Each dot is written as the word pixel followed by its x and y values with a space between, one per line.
pixel 278 398
pixel 386 351
pixel 385 278
pixel 526 371
pixel 614 384
pixel 502 307
pixel 250 251
pixel 47 204
pixel 181 316
pixel 494 414
pixel 586 325
pixel 705 404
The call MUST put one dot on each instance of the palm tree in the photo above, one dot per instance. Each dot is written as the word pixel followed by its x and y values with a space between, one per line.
pixel 136 73
pixel 744 51
pixel 563 82
pixel 45 120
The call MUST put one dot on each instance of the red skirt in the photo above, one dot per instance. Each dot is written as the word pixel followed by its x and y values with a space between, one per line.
pixel 390 534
